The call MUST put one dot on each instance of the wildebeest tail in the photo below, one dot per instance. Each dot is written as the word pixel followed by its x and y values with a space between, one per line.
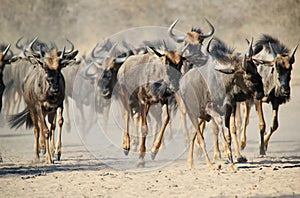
pixel 17 120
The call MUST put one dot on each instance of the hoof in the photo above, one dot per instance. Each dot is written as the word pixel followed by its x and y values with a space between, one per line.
pixel 241 160
pixel 57 156
pixel 153 155
pixel 126 151
pixel 43 151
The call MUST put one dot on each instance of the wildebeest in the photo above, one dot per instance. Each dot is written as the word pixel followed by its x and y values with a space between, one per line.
pixel 275 62
pixel 44 92
pixel 4 59
pixel 143 80
pixel 17 73
pixel 212 91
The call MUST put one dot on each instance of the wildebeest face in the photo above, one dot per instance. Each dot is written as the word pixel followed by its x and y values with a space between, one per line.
pixel 283 67
pixel 106 83
pixel 53 78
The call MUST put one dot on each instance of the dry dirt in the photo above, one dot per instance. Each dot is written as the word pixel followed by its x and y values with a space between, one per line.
pixel 83 173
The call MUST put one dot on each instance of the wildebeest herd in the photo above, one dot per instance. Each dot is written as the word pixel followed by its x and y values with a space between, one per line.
pixel 209 85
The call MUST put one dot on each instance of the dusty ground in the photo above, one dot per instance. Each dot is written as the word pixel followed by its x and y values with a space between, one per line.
pixel 83 171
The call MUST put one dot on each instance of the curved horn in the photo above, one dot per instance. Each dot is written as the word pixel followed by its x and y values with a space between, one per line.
pixel 93 54
pixel 121 59
pixel 293 52
pixel 72 47
pixel 29 47
pixel 211 31
pixel 177 38
pixel 6 50
pixel 249 52
pixel 62 53
pixel 85 71
pixel 208 44
pixel 18 43
pixel 244 63
pixel 272 50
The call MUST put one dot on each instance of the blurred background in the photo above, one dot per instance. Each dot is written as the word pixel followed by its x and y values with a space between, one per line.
pixel 86 22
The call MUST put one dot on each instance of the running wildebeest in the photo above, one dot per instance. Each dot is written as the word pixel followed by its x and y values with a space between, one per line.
pixel 143 80
pixel 44 92
pixel 275 62
pixel 212 91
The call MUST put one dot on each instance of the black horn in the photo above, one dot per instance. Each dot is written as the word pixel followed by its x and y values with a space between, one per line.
pixel 249 52
pixel 208 44
pixel 72 47
pixel 211 31
pixel 292 59
pixel 177 38
pixel 6 50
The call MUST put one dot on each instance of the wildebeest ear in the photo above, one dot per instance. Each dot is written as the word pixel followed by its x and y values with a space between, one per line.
pixel 72 55
pixel 66 63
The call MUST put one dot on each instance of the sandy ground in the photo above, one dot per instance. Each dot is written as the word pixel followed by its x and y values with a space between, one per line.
pixel 99 168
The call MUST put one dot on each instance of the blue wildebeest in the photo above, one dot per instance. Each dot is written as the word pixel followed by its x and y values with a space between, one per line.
pixel 143 80
pixel 275 62
pixel 44 92
pixel 212 91
pixel 17 73
pixel 194 54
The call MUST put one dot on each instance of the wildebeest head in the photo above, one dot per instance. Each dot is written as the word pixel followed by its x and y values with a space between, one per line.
pixel 173 60
pixel 282 63
pixel 51 62
pixel 109 66
pixel 194 38
pixel 244 69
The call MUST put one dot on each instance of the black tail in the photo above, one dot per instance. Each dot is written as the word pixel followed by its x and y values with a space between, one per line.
pixel 17 120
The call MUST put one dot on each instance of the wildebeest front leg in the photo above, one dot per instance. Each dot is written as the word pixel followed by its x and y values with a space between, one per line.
pixel 45 133
pixel 158 140
pixel 273 128
pixel 52 122
pixel 240 158
pixel 60 121
pixel 261 126
pixel 126 137
pixel 144 130
pixel 227 146
pixel 246 112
